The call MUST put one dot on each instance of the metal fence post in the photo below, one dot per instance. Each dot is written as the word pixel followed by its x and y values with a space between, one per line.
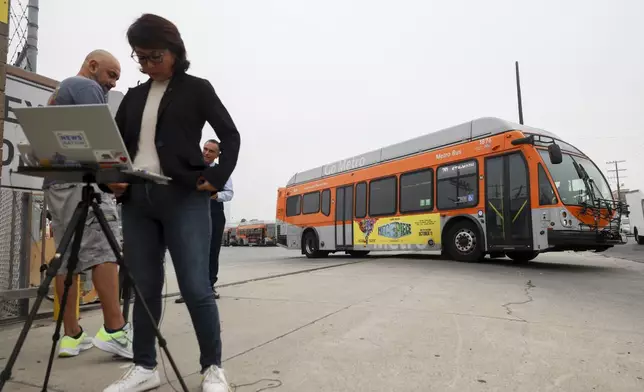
pixel 12 236
pixel 43 237
pixel 25 249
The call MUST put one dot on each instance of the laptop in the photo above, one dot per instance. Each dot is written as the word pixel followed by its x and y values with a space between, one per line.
pixel 75 135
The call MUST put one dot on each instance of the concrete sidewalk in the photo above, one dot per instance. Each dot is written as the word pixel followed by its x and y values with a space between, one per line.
pixel 239 265
pixel 565 323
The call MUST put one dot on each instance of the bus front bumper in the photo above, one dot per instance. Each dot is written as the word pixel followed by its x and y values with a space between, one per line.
pixel 281 241
pixel 584 240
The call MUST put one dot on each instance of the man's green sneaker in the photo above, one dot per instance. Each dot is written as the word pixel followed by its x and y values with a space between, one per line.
pixel 70 347
pixel 119 342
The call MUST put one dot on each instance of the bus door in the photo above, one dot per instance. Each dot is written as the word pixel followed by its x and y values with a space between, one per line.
pixel 507 202
pixel 344 216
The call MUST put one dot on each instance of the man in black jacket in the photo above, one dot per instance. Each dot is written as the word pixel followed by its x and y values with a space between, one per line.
pixel 161 122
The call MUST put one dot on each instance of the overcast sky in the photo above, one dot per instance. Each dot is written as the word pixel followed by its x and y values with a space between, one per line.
pixel 308 83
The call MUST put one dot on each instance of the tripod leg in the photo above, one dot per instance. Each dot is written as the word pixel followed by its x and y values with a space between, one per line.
pixel 71 267
pixel 130 282
pixel 126 291
pixel 43 290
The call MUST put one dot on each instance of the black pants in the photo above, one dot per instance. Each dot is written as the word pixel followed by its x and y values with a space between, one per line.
pixel 218 222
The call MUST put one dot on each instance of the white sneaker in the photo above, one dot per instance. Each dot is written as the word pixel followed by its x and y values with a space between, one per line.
pixel 214 380
pixel 136 379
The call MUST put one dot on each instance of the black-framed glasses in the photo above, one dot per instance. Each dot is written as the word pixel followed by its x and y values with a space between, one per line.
pixel 155 57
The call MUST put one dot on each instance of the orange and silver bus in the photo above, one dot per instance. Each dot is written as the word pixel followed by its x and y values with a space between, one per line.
pixel 229 236
pixel 485 187
pixel 257 233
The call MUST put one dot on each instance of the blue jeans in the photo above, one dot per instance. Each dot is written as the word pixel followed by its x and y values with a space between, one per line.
pixel 160 216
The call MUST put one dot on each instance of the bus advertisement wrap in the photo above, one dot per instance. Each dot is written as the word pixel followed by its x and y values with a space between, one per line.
pixel 404 230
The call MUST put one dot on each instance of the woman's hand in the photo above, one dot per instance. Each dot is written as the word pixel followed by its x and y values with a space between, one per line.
pixel 203 185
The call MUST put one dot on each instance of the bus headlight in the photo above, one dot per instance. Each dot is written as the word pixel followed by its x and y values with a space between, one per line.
pixel 565 221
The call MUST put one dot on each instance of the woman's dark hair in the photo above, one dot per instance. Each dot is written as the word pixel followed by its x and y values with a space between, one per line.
pixel 154 32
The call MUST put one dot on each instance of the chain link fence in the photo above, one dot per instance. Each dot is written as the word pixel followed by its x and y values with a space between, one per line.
pixel 21 221
pixel 18 29
pixel 13 217
pixel 25 246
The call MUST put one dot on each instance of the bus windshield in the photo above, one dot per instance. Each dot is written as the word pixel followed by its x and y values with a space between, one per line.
pixel 570 179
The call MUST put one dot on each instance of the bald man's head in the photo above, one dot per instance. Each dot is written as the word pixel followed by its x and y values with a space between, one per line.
pixel 101 66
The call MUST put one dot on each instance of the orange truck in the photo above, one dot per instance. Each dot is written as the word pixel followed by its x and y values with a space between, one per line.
pixel 484 187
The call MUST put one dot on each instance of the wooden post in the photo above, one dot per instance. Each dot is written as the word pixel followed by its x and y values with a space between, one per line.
pixel 4 49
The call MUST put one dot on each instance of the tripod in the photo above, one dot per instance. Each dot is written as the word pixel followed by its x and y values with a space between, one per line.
pixel 90 199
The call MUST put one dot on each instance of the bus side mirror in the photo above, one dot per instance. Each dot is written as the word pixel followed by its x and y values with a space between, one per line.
pixel 523 140
pixel 555 154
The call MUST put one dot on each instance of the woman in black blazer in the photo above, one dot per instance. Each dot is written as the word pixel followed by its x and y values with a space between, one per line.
pixel 161 122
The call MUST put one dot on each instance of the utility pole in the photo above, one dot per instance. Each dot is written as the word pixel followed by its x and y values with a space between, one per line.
pixel 617 170
pixel 4 49
pixel 519 100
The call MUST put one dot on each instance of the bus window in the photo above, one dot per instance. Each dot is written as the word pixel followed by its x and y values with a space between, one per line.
pixel 293 205
pixel 457 185
pixel 326 202
pixel 311 203
pixel 361 200
pixel 417 191
pixel 546 193
pixel 571 187
pixel 382 196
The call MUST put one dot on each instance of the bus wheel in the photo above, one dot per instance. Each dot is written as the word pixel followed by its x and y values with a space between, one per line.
pixel 522 257
pixel 463 242
pixel 311 247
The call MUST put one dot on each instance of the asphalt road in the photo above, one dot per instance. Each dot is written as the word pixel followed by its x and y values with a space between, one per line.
pixel 565 322
pixel 630 251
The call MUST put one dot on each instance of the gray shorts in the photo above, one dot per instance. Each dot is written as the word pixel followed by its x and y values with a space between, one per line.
pixel 62 200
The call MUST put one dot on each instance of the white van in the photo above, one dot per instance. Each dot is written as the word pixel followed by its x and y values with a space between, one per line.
pixel 635 201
